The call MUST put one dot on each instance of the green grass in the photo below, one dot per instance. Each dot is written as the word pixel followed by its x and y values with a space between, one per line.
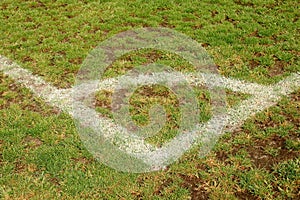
pixel 41 155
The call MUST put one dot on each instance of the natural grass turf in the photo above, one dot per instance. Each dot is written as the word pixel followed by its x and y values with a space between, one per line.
pixel 41 155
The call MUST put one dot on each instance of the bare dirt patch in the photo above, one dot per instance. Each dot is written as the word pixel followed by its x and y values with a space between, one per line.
pixel 242 3
pixel 258 54
pixel 196 186
pixel 255 34
pixel 32 142
pixel 13 94
pixel 278 67
pixel 214 13
pixel 259 155
pixel 76 61
pixel 245 195
pixel 205 44
pixel 103 99
pixel 269 151
pixel 82 160
pixel 231 20
pixel 160 188
pixel 253 64
pixel 165 23
pixel 20 166
pixel 262 159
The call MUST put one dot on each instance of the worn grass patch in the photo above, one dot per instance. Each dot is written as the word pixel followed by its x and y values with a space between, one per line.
pixel 41 155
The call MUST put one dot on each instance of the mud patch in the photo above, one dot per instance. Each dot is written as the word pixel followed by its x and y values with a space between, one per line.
pixel 231 20
pixel 159 190
pixel 274 149
pixel 205 44
pixel 245 195
pixel 165 23
pixel 28 59
pixel 54 181
pixel 103 99
pixel 20 166
pixel 263 159
pixel 222 156
pixel 255 34
pixel 258 54
pixel 214 13
pixel 82 160
pixel 12 93
pixel 197 26
pixel 76 61
pixel 138 195
pixel 264 153
pixel 32 142
pixel 152 56
pixel 278 67
pixel 241 3
pixel 196 186
pixel 253 64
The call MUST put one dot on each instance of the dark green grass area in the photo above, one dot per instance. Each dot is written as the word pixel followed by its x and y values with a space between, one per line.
pixel 41 154
pixel 256 41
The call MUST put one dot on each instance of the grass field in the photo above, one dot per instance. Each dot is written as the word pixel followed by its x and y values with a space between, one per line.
pixel 41 154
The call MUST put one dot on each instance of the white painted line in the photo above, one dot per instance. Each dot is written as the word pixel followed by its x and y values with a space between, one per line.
pixel 231 120
pixel 56 97
pixel 262 100
pixel 199 79
pixel 263 97
pixel 62 99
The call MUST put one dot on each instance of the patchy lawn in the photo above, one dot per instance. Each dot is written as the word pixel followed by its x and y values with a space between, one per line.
pixel 41 155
